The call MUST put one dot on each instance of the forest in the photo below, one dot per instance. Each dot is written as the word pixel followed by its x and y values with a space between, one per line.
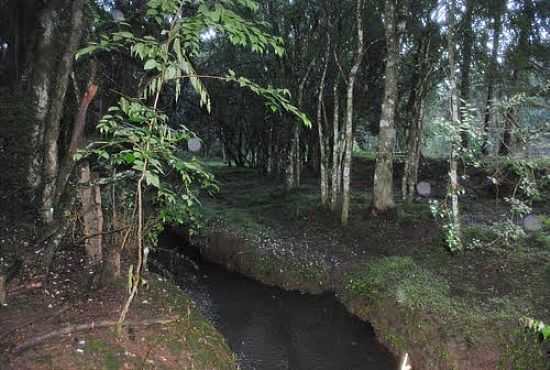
pixel 275 184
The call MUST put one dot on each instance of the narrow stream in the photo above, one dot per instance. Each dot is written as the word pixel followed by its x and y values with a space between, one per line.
pixel 271 329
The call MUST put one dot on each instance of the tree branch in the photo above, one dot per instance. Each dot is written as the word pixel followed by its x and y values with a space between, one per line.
pixel 82 327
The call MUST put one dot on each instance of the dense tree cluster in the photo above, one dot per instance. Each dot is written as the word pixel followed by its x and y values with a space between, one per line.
pixel 370 75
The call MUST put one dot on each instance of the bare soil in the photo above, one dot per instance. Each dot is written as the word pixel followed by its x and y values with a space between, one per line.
pixel 71 296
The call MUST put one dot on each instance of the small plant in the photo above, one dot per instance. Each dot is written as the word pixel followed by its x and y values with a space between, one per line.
pixel 537 327
pixel 465 139
pixel 508 232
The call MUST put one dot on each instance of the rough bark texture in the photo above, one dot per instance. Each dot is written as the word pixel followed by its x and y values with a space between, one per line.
pixel 53 128
pixel 415 107
pixel 3 290
pixel 43 65
pixel 293 170
pixel 491 77
pixel 383 175
pixel 322 141
pixel 466 66
pixel 77 139
pixel 455 118
pixel 89 195
pixel 358 59
pixel 336 188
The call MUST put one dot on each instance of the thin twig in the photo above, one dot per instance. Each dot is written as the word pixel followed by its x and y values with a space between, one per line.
pixel 101 233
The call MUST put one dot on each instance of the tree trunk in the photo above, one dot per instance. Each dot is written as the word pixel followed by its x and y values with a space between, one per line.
pixel 337 151
pixel 521 64
pixel 415 108
pixel 291 162
pixel 414 144
pixel 51 151
pixel 322 141
pixel 491 78
pixel 454 185
pixel 294 171
pixel 44 64
pixel 77 138
pixel 358 58
pixel 89 195
pixel 466 62
pixel 383 175
pixel 112 249
pixel 507 144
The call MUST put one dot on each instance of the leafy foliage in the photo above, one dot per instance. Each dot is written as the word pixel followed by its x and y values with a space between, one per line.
pixel 136 135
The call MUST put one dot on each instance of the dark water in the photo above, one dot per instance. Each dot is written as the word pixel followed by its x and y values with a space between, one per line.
pixel 271 329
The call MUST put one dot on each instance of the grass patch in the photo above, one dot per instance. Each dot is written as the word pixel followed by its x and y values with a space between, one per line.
pixel 417 289
pixel 107 353
pixel 402 279
pixel 479 233
pixel 414 212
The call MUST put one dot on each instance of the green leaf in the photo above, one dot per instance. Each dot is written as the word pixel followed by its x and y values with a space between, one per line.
pixel 150 64
pixel 85 51
pixel 152 180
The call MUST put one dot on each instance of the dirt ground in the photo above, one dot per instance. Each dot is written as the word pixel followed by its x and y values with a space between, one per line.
pixel 185 341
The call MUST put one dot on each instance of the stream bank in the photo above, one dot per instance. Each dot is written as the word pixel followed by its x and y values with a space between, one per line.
pixel 269 328
pixel 410 309
pixel 447 311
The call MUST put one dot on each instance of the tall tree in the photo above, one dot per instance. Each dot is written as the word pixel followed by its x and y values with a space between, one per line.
pixel 520 66
pixel 466 65
pixel 383 175
pixel 496 9
pixel 42 80
pixel 323 147
pixel 53 128
pixel 454 186
pixel 419 88
pixel 348 141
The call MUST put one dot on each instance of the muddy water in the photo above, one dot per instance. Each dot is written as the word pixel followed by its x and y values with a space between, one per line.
pixel 271 329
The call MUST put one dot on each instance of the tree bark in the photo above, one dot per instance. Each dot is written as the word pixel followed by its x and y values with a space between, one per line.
pixel 89 195
pixel 415 107
pixel 322 141
pixel 77 138
pixel 383 175
pixel 491 77
pixel 293 170
pixel 337 143
pixel 44 64
pixel 55 112
pixel 358 59
pixel 454 185
pixel 466 66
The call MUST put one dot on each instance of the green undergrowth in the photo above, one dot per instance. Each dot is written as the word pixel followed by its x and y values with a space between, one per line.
pixel 417 289
pixel 414 212
pixel 428 313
